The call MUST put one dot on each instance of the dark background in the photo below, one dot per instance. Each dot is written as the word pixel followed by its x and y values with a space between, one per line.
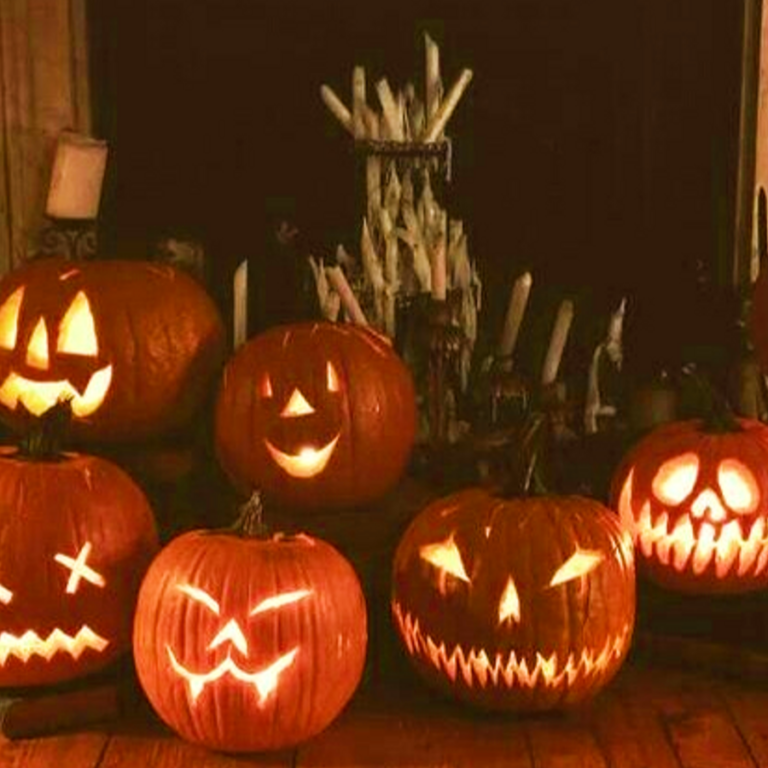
pixel 597 143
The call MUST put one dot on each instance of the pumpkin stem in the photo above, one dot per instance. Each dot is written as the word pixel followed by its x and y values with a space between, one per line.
pixel 718 414
pixel 44 439
pixel 250 521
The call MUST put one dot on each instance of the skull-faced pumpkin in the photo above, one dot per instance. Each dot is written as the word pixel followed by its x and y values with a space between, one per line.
pixel 316 414
pixel 133 345
pixel 519 604
pixel 696 504
pixel 76 535
pixel 249 643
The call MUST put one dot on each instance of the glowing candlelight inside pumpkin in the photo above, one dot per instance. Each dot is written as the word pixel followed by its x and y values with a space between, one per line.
pixel 76 178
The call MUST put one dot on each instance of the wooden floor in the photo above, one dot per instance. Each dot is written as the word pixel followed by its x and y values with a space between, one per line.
pixel 650 717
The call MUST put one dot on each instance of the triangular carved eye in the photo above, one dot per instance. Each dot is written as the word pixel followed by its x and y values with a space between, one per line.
pixel 266 386
pixel 738 486
pixel 675 479
pixel 580 563
pixel 77 332
pixel 509 605
pixel 9 319
pixel 445 556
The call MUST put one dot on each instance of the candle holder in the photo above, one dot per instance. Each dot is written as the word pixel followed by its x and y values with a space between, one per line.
pixel 75 239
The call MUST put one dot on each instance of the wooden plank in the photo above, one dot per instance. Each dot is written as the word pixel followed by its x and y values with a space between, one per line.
pixel 560 742
pixel 362 739
pixel 694 719
pixel 749 707
pixel 641 718
pixel 76 750
pixel 622 733
pixel 164 750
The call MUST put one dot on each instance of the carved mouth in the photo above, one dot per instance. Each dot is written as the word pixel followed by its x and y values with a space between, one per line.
pixel 507 671
pixel 31 644
pixel 264 681
pixel 38 396
pixel 685 547
pixel 307 463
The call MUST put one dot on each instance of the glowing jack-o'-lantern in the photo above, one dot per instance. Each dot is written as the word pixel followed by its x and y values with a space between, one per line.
pixel 132 345
pixel 520 604
pixel 246 643
pixel 316 414
pixel 696 504
pixel 77 535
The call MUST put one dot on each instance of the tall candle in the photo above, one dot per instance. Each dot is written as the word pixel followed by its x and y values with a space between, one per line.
pixel 358 102
pixel 240 304
pixel 518 299
pixel 557 342
pixel 437 122
pixel 432 67
pixel 348 300
pixel 76 177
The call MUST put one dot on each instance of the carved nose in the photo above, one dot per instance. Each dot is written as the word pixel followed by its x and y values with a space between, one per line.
pixel 231 633
pixel 297 405
pixel 708 505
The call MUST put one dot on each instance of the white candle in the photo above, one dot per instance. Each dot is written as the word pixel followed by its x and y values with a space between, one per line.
pixel 518 299
pixel 557 342
pixel 432 76
pixel 348 299
pixel 438 121
pixel 390 109
pixel 439 272
pixel 240 304
pixel 76 177
pixel 358 102
pixel 337 107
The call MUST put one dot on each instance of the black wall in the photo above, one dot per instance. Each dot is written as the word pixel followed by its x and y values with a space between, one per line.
pixel 597 142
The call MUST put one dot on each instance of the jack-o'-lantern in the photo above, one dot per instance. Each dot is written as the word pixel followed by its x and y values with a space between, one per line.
pixel 248 641
pixel 515 603
pixel 316 414
pixel 695 500
pixel 76 535
pixel 133 345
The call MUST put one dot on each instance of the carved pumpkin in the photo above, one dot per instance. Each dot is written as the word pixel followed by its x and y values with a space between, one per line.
pixel 696 504
pixel 518 604
pixel 134 345
pixel 246 643
pixel 77 535
pixel 316 414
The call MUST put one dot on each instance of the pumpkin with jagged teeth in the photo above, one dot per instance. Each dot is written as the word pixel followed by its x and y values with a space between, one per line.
pixel 515 603
pixel 695 501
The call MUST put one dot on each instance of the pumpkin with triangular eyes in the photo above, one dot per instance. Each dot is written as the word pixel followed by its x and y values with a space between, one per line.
pixel 515 603
pixel 695 501
pixel 134 346
pixel 316 415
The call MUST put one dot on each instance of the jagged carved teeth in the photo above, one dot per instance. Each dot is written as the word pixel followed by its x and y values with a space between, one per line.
pixel 695 544
pixel 475 667
pixel 30 644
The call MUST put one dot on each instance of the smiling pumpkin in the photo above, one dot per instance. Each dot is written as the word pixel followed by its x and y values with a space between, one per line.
pixel 316 414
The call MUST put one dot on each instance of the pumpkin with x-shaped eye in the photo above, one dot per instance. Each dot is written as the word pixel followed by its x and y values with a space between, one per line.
pixel 520 604
pixel 133 345
pixel 695 501
pixel 246 643
pixel 316 414
pixel 76 535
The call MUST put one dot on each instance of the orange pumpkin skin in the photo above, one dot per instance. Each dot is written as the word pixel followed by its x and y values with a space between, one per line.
pixel 495 607
pixel 156 338
pixel 336 390
pixel 229 609
pixel 77 535
pixel 696 505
